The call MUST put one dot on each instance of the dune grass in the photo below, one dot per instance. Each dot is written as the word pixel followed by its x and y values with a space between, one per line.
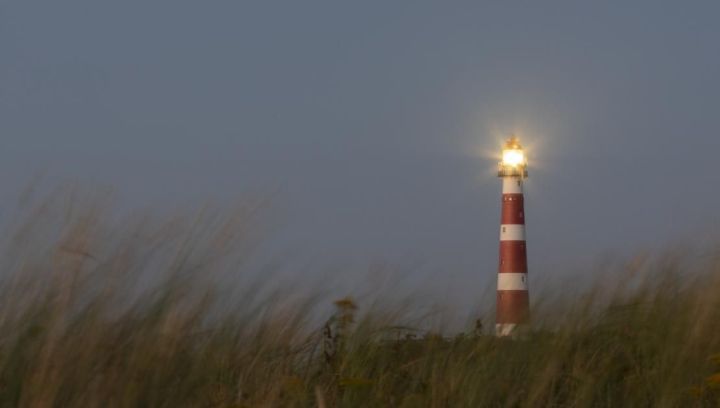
pixel 95 312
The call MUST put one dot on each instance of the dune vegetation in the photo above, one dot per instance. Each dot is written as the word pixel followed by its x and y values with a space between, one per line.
pixel 97 310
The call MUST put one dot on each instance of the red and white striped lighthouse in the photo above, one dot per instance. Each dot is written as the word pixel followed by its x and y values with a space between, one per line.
pixel 513 306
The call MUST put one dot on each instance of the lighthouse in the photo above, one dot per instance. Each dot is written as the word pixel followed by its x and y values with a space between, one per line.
pixel 513 305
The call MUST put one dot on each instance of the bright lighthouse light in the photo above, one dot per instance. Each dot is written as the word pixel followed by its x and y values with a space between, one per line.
pixel 513 157
pixel 514 162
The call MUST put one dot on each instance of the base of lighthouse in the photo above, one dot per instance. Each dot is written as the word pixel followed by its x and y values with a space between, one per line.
pixel 513 310
pixel 512 330
pixel 505 330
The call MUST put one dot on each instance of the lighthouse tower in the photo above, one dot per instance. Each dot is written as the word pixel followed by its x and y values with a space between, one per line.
pixel 513 306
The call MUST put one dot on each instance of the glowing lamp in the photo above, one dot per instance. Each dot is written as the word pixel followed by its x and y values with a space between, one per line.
pixel 513 157
pixel 513 160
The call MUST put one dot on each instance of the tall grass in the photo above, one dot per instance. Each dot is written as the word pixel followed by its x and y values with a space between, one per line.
pixel 100 311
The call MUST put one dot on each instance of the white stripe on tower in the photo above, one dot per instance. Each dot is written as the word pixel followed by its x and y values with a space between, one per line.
pixel 512 185
pixel 512 232
pixel 512 281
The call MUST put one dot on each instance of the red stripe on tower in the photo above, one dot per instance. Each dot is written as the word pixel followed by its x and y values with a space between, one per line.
pixel 513 305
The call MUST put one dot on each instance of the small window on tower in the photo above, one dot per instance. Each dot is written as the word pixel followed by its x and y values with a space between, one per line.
pixel 503 229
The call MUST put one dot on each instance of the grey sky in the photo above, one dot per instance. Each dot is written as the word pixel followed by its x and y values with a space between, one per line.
pixel 370 119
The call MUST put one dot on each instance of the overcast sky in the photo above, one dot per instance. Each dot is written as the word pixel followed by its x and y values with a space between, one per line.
pixel 373 122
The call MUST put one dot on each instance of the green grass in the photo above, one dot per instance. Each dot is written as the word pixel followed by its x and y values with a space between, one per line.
pixel 95 312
